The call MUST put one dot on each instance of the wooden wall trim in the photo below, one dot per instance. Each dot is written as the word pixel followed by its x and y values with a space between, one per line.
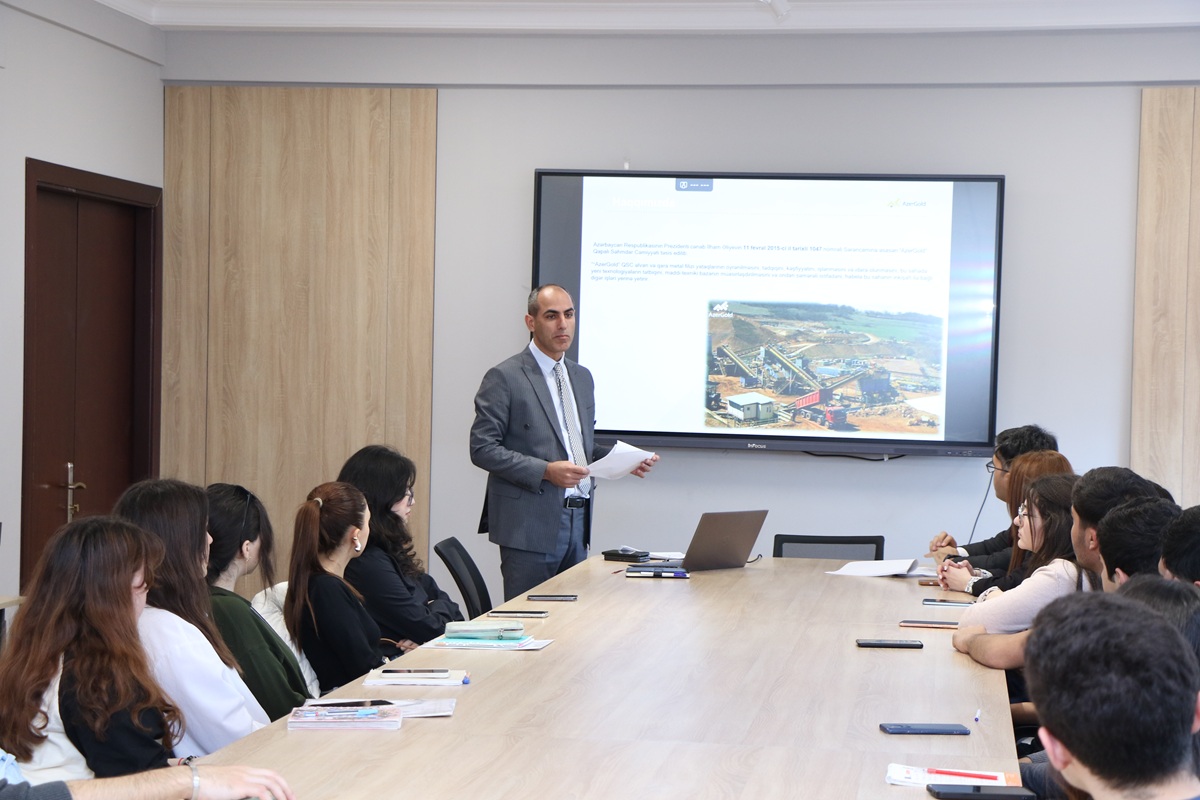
pixel 1163 429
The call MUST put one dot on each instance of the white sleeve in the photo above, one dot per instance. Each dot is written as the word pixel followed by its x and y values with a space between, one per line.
pixel 1013 611
pixel 217 707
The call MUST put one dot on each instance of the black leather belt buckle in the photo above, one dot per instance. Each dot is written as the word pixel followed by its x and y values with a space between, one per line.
pixel 574 502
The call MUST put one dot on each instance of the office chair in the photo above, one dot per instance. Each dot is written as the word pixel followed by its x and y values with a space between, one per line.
pixel 466 575
pixel 851 548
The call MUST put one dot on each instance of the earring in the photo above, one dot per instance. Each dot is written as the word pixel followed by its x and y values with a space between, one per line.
pixel 357 545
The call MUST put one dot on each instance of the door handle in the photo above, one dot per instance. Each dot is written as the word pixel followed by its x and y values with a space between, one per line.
pixel 71 485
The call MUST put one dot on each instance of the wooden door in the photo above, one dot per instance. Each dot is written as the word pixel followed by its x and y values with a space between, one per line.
pixel 91 347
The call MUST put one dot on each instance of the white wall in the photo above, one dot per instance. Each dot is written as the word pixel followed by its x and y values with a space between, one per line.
pixel 1056 113
pixel 68 99
pixel 1069 154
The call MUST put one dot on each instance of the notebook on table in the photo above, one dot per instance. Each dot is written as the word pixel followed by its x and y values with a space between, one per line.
pixel 723 540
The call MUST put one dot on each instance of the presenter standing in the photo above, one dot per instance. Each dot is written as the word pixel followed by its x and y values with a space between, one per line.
pixel 535 415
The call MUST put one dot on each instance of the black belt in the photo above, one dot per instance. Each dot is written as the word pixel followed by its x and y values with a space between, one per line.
pixel 574 502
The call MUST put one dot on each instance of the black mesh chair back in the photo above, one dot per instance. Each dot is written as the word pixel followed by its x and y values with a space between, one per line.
pixel 849 548
pixel 466 575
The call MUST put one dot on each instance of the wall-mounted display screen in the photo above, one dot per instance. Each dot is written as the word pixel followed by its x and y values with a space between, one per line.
pixel 823 313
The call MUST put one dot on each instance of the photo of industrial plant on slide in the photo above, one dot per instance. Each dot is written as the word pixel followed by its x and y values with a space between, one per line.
pixel 813 367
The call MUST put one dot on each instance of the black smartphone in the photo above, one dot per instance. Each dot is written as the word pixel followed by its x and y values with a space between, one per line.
pixel 927 623
pixel 925 728
pixel 557 598
pixel 950 791
pixel 529 614
pixel 432 672
pixel 347 703
pixel 897 644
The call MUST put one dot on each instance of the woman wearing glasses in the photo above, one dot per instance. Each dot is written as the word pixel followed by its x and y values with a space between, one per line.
pixel 243 542
pixel 1044 532
pixel 400 596
pixel 976 578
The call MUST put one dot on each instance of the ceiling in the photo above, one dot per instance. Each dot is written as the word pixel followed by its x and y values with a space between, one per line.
pixel 662 16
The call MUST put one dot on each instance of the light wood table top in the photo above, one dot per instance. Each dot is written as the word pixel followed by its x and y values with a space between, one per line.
pixel 733 684
pixel 9 602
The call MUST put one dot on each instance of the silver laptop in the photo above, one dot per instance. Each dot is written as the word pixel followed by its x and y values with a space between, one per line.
pixel 723 540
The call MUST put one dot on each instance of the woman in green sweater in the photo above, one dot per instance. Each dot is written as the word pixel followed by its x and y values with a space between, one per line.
pixel 243 541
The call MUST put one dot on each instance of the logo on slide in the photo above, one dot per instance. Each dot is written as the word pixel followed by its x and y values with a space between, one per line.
pixel 720 310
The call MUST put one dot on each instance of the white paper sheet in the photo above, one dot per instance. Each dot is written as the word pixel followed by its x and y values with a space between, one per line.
pixel 623 460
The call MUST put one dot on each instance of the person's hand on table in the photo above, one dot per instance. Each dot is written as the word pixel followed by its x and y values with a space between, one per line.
pixel 942 540
pixel 963 636
pixel 955 575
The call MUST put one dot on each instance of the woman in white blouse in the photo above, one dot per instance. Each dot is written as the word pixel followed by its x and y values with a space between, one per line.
pixel 189 659
pixel 1044 529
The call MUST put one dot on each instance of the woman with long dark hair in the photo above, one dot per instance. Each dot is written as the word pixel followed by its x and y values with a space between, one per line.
pixel 190 660
pixel 1022 471
pixel 77 695
pixel 403 599
pixel 1044 531
pixel 243 542
pixel 324 614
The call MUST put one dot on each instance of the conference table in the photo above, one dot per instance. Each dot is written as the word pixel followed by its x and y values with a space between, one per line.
pixel 742 683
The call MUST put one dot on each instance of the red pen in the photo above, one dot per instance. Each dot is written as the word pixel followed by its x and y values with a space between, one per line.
pixel 958 774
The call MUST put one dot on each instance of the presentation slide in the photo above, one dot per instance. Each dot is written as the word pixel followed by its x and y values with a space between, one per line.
pixel 785 305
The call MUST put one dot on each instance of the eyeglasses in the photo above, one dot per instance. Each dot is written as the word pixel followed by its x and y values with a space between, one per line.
pixel 992 468
pixel 1022 512
pixel 409 497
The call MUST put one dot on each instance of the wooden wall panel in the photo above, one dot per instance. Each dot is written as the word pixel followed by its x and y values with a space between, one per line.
pixel 1163 434
pixel 410 290
pixel 1189 493
pixel 302 282
pixel 297 339
pixel 185 283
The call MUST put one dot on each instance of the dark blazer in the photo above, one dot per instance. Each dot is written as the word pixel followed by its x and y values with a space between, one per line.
pixel 514 437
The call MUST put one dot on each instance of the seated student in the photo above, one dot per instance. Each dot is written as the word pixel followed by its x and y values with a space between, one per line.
pixel 1179 604
pixel 400 596
pixel 993 554
pixel 1118 693
pixel 1044 529
pixel 201 783
pixel 324 614
pixel 964 576
pixel 77 696
pixel 1130 538
pixel 1181 548
pixel 190 660
pixel 242 542
pixel 1099 491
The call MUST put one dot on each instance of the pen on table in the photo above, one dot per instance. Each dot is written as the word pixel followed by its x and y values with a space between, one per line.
pixel 977 712
pixel 960 774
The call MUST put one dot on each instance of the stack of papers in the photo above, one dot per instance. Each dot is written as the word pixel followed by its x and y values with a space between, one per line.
pixel 877 569
pixel 345 717
pixel 526 643
pixel 380 677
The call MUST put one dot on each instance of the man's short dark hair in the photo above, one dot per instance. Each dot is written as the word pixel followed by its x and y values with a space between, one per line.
pixel 1013 442
pixel 1181 546
pixel 1178 602
pixel 1131 535
pixel 1117 685
pixel 532 302
pixel 1104 488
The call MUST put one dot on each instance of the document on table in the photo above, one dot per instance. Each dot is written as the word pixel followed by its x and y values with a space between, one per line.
pixel 623 460
pixel 877 569
pixel 900 775
pixel 528 643
pixel 381 677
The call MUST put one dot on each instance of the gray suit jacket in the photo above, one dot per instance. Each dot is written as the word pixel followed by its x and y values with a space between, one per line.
pixel 514 437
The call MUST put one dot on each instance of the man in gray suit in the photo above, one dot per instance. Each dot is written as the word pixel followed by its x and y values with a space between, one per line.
pixel 535 415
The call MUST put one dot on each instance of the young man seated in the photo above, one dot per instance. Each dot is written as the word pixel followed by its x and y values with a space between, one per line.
pixel 1181 548
pixel 993 554
pixel 1118 692
pixel 1130 538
